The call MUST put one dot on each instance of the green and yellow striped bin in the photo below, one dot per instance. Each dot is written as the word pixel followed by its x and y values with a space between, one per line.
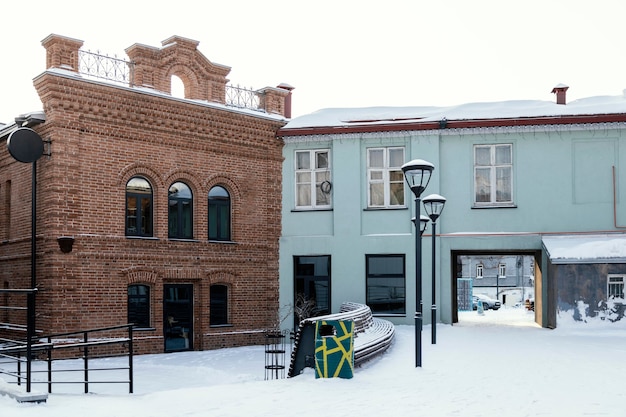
pixel 334 349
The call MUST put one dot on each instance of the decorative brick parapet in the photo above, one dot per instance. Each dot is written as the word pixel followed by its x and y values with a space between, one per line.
pixel 62 52
pixel 272 100
pixel 153 68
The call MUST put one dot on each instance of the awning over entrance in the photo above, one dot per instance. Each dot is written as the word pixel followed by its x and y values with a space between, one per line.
pixel 568 249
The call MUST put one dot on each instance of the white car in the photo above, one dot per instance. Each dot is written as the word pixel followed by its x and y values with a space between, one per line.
pixel 487 302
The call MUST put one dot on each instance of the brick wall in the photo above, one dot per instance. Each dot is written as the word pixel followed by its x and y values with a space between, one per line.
pixel 101 136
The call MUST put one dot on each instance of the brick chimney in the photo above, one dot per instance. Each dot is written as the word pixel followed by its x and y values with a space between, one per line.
pixel 560 90
pixel 289 88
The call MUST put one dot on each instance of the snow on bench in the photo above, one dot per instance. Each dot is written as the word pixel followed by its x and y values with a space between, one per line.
pixel 372 335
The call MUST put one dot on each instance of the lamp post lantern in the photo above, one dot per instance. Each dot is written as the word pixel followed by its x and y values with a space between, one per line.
pixel 433 204
pixel 417 174
pixel 423 223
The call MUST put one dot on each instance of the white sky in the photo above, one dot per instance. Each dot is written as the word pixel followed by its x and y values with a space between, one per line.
pixel 348 53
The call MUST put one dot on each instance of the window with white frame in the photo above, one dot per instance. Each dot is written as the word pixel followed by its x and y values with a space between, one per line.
pixel 385 180
pixel 479 270
pixel 615 289
pixel 313 184
pixel 493 175
pixel 502 271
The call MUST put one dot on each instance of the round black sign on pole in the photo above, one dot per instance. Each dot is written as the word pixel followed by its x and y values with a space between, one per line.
pixel 25 145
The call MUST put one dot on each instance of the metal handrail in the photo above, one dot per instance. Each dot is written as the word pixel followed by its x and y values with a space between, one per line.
pixel 18 290
pixel 18 348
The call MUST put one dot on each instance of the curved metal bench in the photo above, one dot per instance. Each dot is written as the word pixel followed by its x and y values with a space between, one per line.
pixel 372 336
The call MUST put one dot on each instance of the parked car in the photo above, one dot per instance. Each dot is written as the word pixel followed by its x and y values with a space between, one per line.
pixel 487 302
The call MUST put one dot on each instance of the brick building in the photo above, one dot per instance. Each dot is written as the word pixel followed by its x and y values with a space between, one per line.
pixel 151 209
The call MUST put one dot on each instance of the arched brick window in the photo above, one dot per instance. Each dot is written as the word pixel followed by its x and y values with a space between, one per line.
pixel 180 217
pixel 138 207
pixel 219 214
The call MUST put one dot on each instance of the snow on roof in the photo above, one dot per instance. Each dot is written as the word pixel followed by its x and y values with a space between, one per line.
pixel 608 248
pixel 470 111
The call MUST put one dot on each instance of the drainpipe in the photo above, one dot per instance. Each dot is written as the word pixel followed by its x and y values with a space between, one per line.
pixel 615 203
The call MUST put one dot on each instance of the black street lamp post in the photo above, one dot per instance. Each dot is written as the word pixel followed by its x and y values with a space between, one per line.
pixel 417 174
pixel 25 145
pixel 433 204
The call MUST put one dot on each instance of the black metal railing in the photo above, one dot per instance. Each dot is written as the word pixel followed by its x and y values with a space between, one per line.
pixel 242 97
pixel 89 348
pixel 105 67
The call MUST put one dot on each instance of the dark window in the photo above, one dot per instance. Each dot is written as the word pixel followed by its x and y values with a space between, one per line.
pixel 138 207
pixel 139 305
pixel 385 284
pixel 219 214
pixel 180 221
pixel 312 286
pixel 218 305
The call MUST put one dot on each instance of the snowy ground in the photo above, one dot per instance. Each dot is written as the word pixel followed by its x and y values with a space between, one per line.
pixel 497 364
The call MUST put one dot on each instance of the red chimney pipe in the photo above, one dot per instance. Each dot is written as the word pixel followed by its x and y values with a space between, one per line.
pixel 289 88
pixel 560 90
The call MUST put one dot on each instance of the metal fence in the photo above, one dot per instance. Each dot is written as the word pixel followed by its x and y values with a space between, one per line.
pixel 105 67
pixel 88 345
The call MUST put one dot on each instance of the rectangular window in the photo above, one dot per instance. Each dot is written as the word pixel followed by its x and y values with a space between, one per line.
pixel 502 271
pixel 385 284
pixel 139 305
pixel 493 175
pixel 479 271
pixel 385 179
pixel 218 305
pixel 615 290
pixel 313 184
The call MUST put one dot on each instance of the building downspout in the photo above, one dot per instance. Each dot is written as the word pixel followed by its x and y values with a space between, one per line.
pixel 615 202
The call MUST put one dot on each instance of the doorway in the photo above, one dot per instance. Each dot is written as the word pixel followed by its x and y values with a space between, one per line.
pixel 178 317
pixel 511 279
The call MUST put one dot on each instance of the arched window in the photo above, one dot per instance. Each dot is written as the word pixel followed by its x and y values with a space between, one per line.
pixel 218 307
pixel 219 214
pixel 138 207
pixel 177 87
pixel 139 305
pixel 180 220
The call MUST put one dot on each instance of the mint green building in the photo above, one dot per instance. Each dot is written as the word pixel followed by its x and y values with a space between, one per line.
pixel 541 181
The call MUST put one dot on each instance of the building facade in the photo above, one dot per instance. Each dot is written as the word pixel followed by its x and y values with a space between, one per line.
pixel 156 210
pixel 513 174
pixel 509 278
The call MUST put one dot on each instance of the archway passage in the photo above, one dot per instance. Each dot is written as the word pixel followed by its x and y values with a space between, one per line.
pixel 496 287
